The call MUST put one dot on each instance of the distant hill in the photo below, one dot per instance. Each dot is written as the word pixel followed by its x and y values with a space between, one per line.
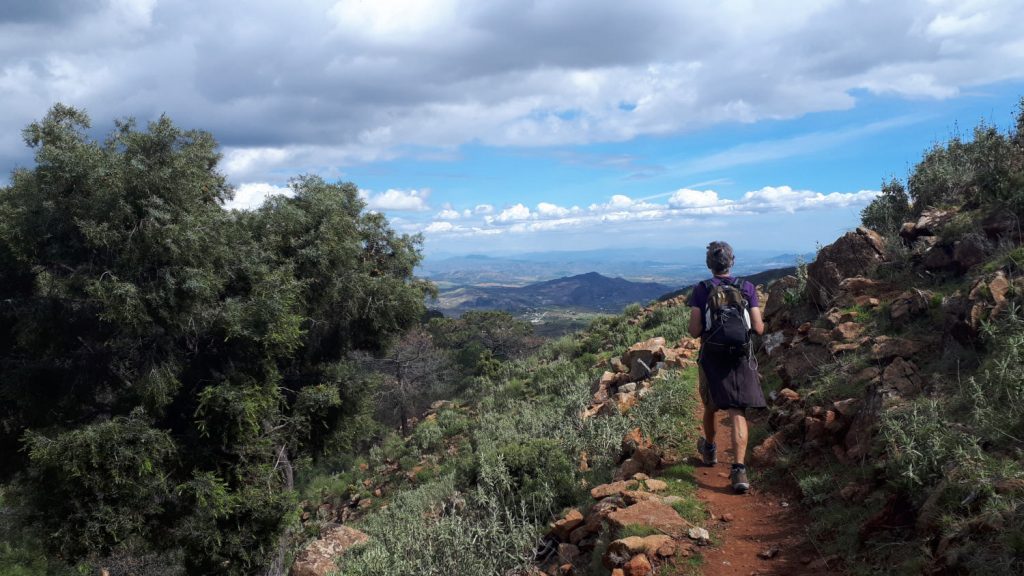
pixel 589 292
pixel 678 267
pixel 759 278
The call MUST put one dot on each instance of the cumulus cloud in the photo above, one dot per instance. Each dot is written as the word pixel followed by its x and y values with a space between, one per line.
pixel 251 195
pixel 686 198
pixel 682 205
pixel 483 209
pixel 399 200
pixel 448 214
pixel 507 74
pixel 517 212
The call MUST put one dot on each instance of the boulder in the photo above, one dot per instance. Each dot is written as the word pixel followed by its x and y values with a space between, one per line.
pixel 606 490
pixel 633 440
pixel 645 351
pixel 764 454
pixel 564 526
pixel 653 513
pixel 937 257
pixel 903 377
pixel 855 253
pixel 909 305
pixel 928 224
pixel 321 556
pixel 1002 224
pixel 886 347
pixel 969 252
pixel 777 296
pixel 638 565
pixel 847 331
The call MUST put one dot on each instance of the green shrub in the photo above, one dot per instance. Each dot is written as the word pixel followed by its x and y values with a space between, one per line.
pixel 887 213
pixel 428 435
pixel 922 444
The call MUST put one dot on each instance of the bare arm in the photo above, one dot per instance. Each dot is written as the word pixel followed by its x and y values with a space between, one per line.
pixel 756 322
pixel 697 323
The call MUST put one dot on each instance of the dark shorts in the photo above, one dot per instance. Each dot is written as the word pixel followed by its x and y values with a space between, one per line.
pixel 728 384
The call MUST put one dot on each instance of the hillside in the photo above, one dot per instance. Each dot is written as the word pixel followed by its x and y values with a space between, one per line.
pixel 589 292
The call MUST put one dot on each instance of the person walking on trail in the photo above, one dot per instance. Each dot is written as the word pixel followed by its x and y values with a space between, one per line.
pixel 724 310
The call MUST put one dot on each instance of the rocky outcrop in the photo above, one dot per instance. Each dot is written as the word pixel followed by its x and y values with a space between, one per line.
pixel 629 376
pixel 855 253
pixel 320 558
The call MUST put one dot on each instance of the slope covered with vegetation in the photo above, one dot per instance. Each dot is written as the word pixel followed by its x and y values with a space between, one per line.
pixel 897 368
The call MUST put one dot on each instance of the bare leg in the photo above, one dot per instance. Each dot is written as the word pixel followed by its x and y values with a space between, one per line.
pixel 739 433
pixel 709 423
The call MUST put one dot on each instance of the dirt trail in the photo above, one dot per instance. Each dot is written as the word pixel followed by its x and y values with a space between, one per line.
pixel 758 522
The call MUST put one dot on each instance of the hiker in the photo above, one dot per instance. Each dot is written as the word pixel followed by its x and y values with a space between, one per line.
pixel 724 310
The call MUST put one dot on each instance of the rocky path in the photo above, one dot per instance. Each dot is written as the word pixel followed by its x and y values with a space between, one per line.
pixel 748 527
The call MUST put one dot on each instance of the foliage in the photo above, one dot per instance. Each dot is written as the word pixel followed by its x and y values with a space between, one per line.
pixel 987 170
pixel 166 362
pixel 481 339
pixel 887 213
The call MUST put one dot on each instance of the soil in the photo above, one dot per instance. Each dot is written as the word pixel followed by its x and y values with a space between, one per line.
pixel 760 521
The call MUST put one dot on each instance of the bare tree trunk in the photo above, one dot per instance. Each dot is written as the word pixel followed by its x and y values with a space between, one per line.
pixel 277 567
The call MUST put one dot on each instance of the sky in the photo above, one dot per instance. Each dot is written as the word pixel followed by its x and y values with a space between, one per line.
pixel 526 125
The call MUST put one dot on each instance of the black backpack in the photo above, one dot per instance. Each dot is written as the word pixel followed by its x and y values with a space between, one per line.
pixel 726 320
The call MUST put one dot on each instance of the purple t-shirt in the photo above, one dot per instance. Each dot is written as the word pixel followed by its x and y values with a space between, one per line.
pixel 699 296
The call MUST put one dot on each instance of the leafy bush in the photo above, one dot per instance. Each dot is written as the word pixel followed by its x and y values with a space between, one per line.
pixel 922 444
pixel 167 362
pixel 887 213
pixel 987 170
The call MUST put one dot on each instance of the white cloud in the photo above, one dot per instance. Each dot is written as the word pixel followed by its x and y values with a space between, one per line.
pixel 483 209
pixel 435 227
pixel 251 195
pixel 517 212
pixel 387 87
pixel 681 206
pixel 448 214
pixel 686 198
pixel 399 200
pixel 548 210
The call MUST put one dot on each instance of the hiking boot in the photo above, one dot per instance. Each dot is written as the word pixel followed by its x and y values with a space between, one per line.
pixel 738 477
pixel 708 451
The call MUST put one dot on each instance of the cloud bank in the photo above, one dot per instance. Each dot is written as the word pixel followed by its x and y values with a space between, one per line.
pixel 321 84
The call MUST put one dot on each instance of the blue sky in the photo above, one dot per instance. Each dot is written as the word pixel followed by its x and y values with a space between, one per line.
pixel 507 126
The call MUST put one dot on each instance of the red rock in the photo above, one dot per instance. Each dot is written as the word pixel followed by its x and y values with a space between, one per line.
pixel 655 485
pixel 866 301
pixel 606 490
pixel 591 526
pixel 999 287
pixel 638 565
pixel 563 527
pixel 765 453
pixel 625 401
pixel 727 517
pixel 651 513
pixel 886 347
pixel 814 429
pixel 787 396
pixel 819 336
pixel 969 252
pixel 568 553
pixel 847 331
pixel 631 442
pixel 320 557
pixel 634 496
pixel 855 253
pixel 846 408
pixel 903 377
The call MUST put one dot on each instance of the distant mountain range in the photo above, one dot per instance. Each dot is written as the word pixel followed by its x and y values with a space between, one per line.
pixel 589 292
pixel 671 266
